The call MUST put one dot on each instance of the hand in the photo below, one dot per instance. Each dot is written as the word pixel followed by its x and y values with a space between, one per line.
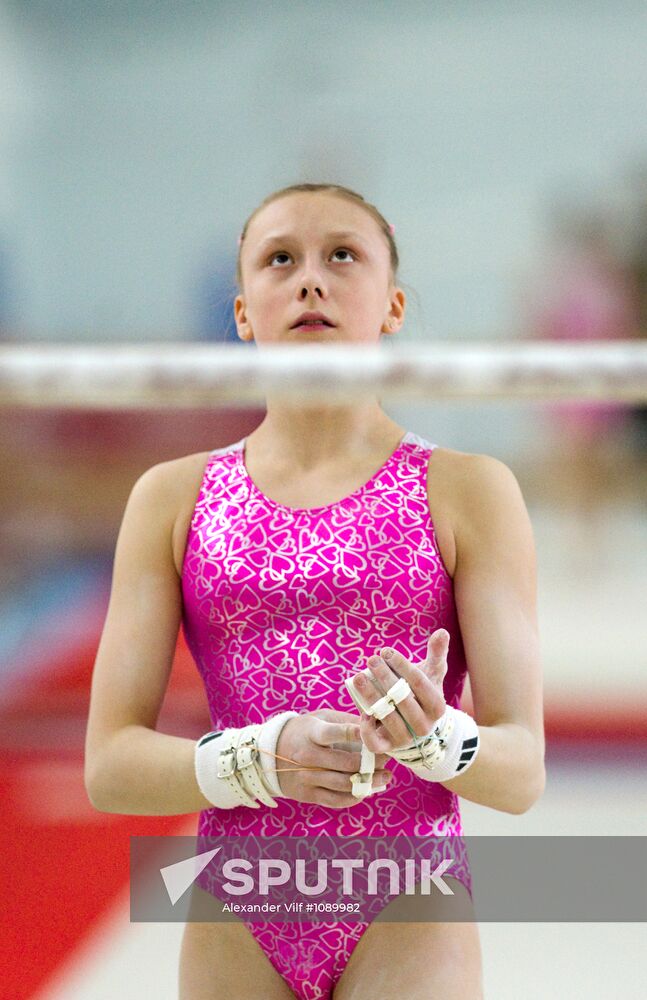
pixel 422 708
pixel 317 739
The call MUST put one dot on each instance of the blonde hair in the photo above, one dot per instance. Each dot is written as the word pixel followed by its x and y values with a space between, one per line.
pixel 336 189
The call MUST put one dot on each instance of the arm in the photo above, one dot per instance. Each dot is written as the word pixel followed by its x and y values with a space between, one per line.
pixel 129 767
pixel 494 587
pixel 495 593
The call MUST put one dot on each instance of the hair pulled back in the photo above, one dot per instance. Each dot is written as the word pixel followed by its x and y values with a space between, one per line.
pixel 342 192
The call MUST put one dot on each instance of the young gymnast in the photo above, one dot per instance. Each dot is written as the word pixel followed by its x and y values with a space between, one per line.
pixel 329 542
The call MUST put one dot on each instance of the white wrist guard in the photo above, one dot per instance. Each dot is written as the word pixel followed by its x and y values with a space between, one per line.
pixel 447 751
pixel 235 767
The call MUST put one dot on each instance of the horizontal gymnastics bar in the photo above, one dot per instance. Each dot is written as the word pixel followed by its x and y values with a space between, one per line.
pixel 104 376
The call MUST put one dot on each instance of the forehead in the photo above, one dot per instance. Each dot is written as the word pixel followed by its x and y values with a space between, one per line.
pixel 304 213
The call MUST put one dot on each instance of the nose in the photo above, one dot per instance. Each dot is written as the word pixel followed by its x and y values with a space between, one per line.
pixel 311 281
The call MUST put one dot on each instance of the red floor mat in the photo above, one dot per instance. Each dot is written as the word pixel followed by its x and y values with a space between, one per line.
pixel 63 862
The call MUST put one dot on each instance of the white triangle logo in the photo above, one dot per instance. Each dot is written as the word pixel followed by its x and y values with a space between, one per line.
pixel 178 877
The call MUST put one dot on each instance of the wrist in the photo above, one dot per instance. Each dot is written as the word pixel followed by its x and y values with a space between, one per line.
pixel 447 751
pixel 235 767
pixel 270 736
pixel 439 728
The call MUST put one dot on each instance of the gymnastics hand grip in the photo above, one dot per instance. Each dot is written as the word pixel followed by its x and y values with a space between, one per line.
pixel 384 705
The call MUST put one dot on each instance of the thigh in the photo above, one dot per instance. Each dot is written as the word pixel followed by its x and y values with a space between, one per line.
pixel 225 960
pixel 434 960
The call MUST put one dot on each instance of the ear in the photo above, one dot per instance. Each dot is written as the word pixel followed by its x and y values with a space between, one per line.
pixel 244 328
pixel 395 318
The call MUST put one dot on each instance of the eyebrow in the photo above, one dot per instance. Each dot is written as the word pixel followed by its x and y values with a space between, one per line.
pixel 284 237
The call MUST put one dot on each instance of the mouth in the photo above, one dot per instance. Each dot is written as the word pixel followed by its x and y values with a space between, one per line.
pixel 312 321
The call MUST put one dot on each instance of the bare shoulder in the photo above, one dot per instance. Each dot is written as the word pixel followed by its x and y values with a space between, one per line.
pixel 466 468
pixel 172 489
pixel 460 487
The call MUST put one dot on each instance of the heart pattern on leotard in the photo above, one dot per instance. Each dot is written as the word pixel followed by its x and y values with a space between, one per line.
pixel 280 605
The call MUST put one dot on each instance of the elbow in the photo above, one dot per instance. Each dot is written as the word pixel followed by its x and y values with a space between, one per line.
pixel 99 776
pixel 91 790
pixel 533 792
pixel 97 802
pixel 95 790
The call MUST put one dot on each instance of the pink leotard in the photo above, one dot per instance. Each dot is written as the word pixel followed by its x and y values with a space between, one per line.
pixel 280 605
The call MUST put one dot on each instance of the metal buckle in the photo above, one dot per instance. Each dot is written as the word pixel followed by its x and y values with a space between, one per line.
pixel 226 765
pixel 247 753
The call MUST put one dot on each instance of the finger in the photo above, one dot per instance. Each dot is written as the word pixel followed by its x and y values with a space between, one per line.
pixel 327 733
pixel 340 761
pixel 367 689
pixel 326 795
pixel 343 783
pixel 367 685
pixel 336 800
pixel 356 747
pixel 381 759
pixel 321 713
pixel 362 685
pixel 334 715
pixel 343 761
pixel 393 659
pixel 429 703
pixel 408 712
pixel 375 737
pixel 437 649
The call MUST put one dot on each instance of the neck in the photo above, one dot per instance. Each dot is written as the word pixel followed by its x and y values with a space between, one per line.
pixel 317 433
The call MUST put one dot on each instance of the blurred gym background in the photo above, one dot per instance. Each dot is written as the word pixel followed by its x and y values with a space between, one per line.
pixel 508 145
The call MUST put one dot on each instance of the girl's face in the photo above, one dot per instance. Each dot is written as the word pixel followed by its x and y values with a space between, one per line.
pixel 316 252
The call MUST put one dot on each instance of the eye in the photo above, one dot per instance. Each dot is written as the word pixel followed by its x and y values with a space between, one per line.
pixel 284 253
pixel 280 253
pixel 344 250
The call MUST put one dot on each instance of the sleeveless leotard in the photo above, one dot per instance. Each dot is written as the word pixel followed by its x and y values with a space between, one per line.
pixel 279 606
